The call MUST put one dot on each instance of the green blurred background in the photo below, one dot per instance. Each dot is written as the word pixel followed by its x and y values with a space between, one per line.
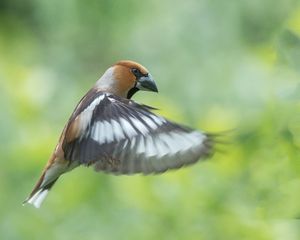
pixel 219 65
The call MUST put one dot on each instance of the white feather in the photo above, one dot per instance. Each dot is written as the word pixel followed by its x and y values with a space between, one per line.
pixel 161 147
pixel 86 116
pixel 139 125
pixel 173 144
pixel 185 143
pixel 99 132
pixel 37 199
pixel 118 131
pixel 149 122
pixel 150 147
pixel 140 146
pixel 128 129
pixel 109 132
pixel 95 131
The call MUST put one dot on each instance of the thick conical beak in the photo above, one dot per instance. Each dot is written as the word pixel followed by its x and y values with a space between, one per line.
pixel 146 83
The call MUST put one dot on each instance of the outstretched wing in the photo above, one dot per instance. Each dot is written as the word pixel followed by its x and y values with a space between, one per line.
pixel 120 136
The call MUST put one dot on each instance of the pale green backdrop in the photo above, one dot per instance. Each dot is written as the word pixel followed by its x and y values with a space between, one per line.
pixel 219 65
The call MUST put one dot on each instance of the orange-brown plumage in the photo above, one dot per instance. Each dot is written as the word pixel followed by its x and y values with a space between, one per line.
pixel 131 64
pixel 124 79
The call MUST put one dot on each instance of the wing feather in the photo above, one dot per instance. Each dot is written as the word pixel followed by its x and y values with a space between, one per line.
pixel 122 137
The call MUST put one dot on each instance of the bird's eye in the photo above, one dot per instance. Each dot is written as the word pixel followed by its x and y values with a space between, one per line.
pixel 136 72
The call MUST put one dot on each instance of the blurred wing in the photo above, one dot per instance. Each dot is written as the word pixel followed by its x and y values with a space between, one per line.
pixel 120 136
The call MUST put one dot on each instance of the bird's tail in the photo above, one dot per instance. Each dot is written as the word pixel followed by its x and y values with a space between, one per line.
pixel 49 176
pixel 40 191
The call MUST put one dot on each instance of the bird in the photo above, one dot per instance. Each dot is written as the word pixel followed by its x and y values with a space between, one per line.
pixel 114 134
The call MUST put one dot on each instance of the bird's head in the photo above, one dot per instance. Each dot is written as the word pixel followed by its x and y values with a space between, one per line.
pixel 125 78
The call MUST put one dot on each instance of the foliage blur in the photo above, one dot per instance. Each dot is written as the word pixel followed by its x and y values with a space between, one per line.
pixel 219 65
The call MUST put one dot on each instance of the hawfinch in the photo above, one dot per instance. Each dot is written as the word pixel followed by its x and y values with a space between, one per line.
pixel 114 134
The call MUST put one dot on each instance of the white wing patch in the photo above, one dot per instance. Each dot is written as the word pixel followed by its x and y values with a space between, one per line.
pixel 109 132
pixel 166 143
pixel 149 122
pixel 86 116
pixel 174 142
pixel 98 132
pixel 161 148
pixel 169 141
pixel 159 144
pixel 118 131
pixel 150 149
pixel 139 125
pixel 141 146
pixel 128 129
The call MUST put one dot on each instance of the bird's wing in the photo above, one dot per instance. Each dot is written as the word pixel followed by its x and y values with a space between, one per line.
pixel 119 136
